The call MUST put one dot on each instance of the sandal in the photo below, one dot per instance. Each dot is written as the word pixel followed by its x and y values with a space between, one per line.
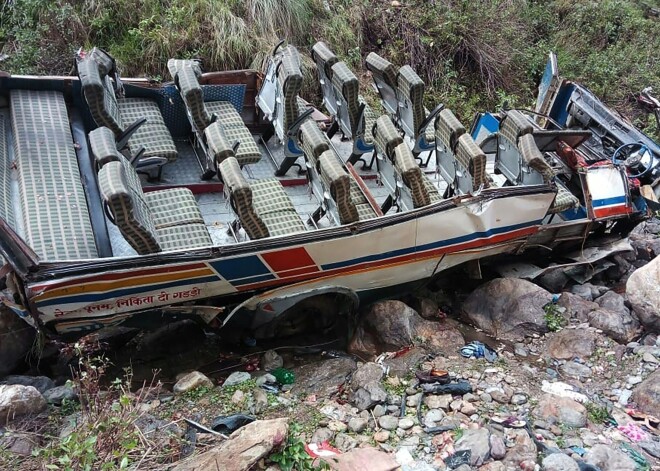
pixel 433 376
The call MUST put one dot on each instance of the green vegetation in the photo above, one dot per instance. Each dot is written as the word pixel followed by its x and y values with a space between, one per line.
pixel 293 455
pixel 597 414
pixel 473 55
pixel 554 317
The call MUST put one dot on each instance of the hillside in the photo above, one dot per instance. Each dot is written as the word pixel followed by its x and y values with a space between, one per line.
pixel 473 55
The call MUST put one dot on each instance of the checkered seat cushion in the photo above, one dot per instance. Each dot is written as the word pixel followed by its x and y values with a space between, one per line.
pixel 448 129
pixel 514 125
pixel 6 209
pixel 411 174
pixel 290 81
pixel 313 141
pixel 338 181
pixel 386 137
pixel 411 93
pixel 263 208
pixel 175 65
pixel 119 113
pixel 234 130
pixel 218 144
pixel 159 221
pixel 534 159
pixel 385 78
pixel 54 208
pixel 470 156
pixel 364 209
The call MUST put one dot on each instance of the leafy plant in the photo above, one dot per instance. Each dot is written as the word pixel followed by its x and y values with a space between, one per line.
pixel 597 414
pixel 553 317
pixel 293 455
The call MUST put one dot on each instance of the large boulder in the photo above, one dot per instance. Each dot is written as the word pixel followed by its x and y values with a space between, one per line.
pixel 391 325
pixel 609 459
pixel 643 293
pixel 508 308
pixel 16 339
pixel 618 325
pixel 571 343
pixel 576 306
pixel 561 410
pixel 40 383
pixel 17 400
pixel 322 378
pixel 647 394
pixel 245 447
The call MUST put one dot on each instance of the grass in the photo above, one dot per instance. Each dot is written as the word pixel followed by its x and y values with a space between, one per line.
pixel 597 414
pixel 554 318
pixel 473 56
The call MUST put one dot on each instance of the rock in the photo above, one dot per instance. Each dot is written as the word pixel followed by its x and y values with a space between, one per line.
pixel 520 350
pixel 478 442
pixel 648 357
pixel 192 380
pixel 58 394
pixel 259 401
pixel 357 424
pixel 237 377
pixel 157 428
pixel 40 383
pixel 238 397
pixel 271 361
pixel 392 325
pixel 562 410
pixel 245 447
pixel 322 378
pixel 571 343
pixel 493 466
pixel 337 426
pixel 553 280
pixel 176 337
pixel 559 462
pixel 612 301
pixel 433 416
pixel 406 423
pixel 508 308
pixel 385 326
pixel 643 293
pixel 647 394
pixel 438 402
pixel 608 459
pixel 345 442
pixel 518 399
pixel 429 309
pixel 17 400
pixel 468 409
pixel 497 447
pixel 322 434
pixel 522 451
pixel 413 400
pixel 388 422
pixel 17 340
pixel 366 373
pixel 379 411
pixel 575 370
pixel 382 436
pixel 266 379
pixel 620 326
pixel 582 291
pixel 368 396
pixel 400 366
pixel 19 443
pixel 576 306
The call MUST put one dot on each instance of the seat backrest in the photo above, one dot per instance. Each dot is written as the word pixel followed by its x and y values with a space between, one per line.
pixel 313 141
pixel 339 182
pixel 325 59
pixel 100 96
pixel 130 212
pixel 240 196
pixel 290 81
pixel 533 158
pixel 384 74
pixel 174 65
pixel 217 142
pixel 473 159
pixel 411 96
pixel 191 91
pixel 448 129
pixel 411 174
pixel 347 90
pixel 386 137
pixel 104 149
pixel 514 125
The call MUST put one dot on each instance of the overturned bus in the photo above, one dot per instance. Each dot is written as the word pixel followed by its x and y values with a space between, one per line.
pixel 227 198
